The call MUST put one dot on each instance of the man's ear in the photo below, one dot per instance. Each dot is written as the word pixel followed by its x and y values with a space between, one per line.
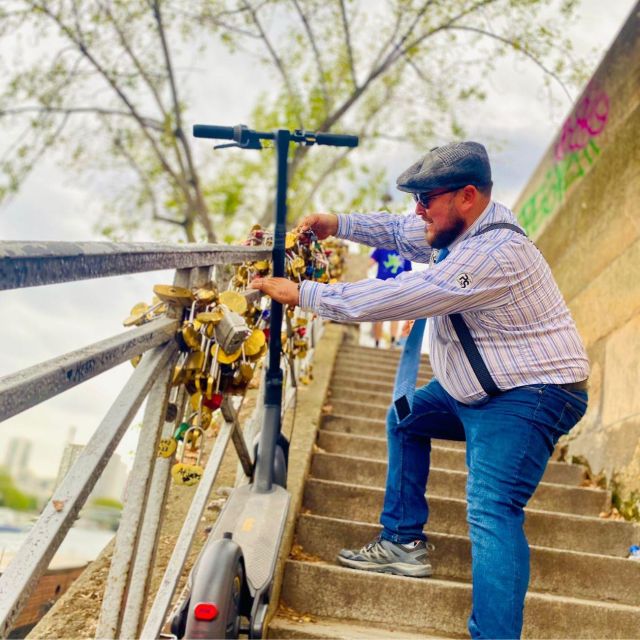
pixel 470 196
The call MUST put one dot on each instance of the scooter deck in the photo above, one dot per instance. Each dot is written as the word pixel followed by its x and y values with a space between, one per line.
pixel 256 521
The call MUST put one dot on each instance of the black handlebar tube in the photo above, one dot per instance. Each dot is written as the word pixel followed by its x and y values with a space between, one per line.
pixel 250 139
pixel 263 475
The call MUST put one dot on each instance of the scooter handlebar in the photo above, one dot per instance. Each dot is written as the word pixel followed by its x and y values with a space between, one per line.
pixel 337 139
pixel 213 131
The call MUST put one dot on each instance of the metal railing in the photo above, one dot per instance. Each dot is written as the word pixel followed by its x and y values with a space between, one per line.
pixel 126 591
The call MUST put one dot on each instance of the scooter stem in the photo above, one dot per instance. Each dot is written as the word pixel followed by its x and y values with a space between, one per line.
pixel 263 476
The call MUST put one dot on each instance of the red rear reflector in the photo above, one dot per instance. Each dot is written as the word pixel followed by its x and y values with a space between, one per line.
pixel 205 611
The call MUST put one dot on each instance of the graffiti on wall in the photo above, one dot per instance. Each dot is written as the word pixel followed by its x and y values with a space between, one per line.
pixel 575 150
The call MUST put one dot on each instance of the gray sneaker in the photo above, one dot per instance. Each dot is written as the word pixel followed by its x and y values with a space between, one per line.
pixel 383 556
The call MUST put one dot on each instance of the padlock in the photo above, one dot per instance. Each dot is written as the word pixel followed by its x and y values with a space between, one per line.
pixel 188 474
pixel 231 331
pixel 171 412
pixel 183 427
pixel 254 342
pixel 167 447
pixel 173 295
pixel 206 294
pixel 234 301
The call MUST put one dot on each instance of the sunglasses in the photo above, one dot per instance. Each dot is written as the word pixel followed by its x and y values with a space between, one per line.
pixel 425 199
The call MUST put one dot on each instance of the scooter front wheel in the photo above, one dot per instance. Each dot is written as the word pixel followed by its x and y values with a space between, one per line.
pixel 215 604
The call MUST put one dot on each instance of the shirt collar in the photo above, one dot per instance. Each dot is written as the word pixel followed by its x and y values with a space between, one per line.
pixel 479 221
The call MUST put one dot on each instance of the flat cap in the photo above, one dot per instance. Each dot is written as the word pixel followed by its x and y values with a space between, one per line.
pixel 451 166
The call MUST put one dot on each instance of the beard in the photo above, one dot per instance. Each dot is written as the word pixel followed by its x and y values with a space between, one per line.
pixel 445 237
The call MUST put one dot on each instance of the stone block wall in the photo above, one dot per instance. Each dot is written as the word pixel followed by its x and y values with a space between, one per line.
pixel 582 208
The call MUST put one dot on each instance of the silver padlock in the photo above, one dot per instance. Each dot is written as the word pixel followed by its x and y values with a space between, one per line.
pixel 231 331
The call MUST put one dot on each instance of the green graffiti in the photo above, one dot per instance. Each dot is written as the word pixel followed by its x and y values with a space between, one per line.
pixel 550 195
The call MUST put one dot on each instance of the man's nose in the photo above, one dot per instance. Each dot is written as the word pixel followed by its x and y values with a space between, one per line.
pixel 420 209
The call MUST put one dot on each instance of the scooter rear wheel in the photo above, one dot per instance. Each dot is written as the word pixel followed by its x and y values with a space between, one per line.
pixel 218 581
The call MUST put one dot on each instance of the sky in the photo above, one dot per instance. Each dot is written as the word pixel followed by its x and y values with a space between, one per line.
pixel 41 323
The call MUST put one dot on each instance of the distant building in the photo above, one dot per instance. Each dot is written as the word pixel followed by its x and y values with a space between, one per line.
pixel 17 456
pixel 110 484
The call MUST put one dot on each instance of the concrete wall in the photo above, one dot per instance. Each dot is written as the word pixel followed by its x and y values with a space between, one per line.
pixel 582 208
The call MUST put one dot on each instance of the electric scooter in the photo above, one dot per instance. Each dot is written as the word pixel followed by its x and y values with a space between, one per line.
pixel 233 576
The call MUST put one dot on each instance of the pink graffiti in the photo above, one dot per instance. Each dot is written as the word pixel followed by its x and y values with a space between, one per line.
pixel 587 121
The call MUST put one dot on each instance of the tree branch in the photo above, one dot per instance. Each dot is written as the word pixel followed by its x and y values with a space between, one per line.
pixel 316 54
pixel 149 122
pixel 190 175
pixel 79 42
pixel 277 61
pixel 519 49
pixel 136 61
pixel 347 39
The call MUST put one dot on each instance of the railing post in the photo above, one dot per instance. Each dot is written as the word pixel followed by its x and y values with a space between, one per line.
pixel 45 537
pixel 136 497
pixel 133 610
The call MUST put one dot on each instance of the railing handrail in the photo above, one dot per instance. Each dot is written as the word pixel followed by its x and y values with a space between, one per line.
pixel 30 264
pixel 26 388
pixel 24 264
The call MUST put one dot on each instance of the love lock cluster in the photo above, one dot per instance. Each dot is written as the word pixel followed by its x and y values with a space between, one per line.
pixel 223 338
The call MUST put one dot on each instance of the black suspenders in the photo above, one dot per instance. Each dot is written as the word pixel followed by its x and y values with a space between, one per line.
pixel 464 335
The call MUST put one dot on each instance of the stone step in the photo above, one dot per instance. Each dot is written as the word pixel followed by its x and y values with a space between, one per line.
pixel 435 606
pixel 355 373
pixel 360 409
pixel 447 483
pixel 443 456
pixel 386 355
pixel 359 395
pixel 371 427
pixel 326 628
pixel 372 366
pixel 557 571
pixel 380 386
pixel 448 515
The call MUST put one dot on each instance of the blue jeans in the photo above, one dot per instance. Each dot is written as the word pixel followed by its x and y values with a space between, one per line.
pixel 510 438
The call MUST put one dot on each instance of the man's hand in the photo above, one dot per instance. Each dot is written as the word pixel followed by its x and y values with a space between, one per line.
pixel 280 289
pixel 322 224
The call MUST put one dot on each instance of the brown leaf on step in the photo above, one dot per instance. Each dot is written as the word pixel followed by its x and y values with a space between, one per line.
pixel 291 614
pixel 317 449
pixel 613 514
pixel 327 408
pixel 298 553
pixel 306 512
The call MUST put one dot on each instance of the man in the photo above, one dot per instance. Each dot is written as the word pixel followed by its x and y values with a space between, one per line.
pixel 509 370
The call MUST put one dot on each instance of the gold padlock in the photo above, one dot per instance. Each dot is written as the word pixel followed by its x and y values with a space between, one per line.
pixel 234 301
pixel 228 358
pixel 290 240
pixel 207 294
pixel 167 447
pixel 254 342
pixel 171 294
pixel 137 315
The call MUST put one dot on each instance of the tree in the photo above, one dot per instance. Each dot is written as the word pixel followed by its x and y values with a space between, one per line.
pixel 103 78
pixel 394 71
pixel 109 97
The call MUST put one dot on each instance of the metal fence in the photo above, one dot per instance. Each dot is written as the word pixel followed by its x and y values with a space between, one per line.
pixel 126 590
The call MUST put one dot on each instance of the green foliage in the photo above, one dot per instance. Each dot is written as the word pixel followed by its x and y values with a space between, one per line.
pixel 108 503
pixel 12 497
pixel 627 503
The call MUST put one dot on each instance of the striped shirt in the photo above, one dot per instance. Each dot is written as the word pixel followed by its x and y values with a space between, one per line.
pixel 498 280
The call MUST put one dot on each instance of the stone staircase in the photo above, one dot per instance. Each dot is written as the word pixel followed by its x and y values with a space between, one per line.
pixel 582 586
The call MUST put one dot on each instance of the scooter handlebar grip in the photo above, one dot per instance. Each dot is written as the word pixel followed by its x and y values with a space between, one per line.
pixel 212 131
pixel 337 139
